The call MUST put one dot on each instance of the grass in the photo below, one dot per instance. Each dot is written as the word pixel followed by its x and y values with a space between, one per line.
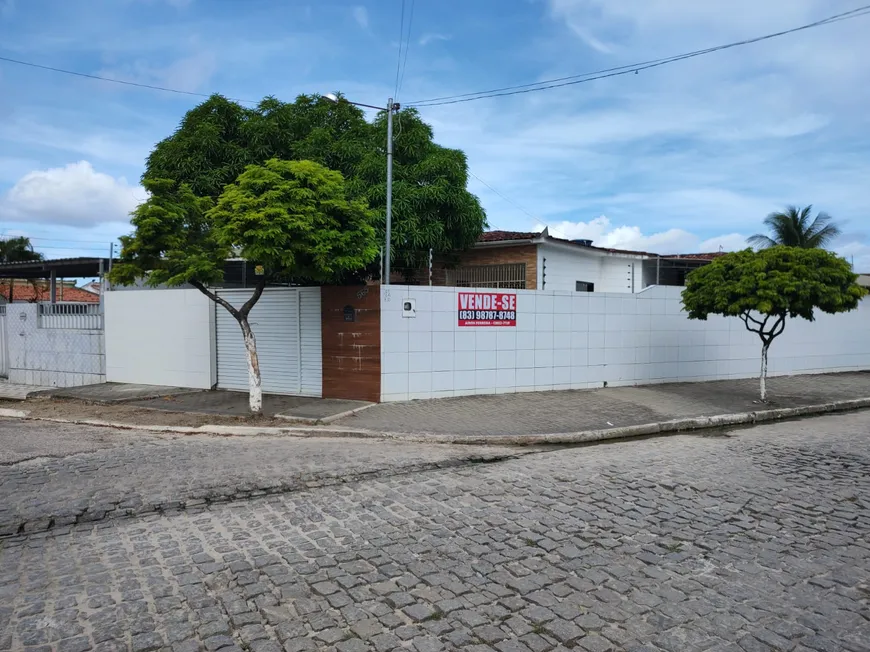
pixel 438 615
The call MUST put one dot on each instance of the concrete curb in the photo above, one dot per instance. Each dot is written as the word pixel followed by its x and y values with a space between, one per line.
pixel 14 414
pixel 566 438
pixel 323 420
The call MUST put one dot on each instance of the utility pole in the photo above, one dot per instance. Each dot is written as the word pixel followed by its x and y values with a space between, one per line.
pixel 391 106
pixel 111 256
pixel 389 230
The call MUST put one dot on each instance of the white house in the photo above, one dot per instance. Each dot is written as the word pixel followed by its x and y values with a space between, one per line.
pixel 539 261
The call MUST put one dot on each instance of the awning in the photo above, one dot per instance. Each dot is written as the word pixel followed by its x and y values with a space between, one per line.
pixel 62 268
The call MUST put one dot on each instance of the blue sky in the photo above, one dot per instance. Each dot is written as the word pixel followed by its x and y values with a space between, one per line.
pixel 681 158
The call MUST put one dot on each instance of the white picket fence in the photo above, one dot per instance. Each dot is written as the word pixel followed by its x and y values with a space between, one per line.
pixel 74 316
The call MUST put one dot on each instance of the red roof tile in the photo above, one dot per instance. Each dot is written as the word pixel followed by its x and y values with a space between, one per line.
pixel 29 293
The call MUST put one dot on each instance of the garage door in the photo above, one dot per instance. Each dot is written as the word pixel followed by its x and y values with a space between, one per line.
pixel 286 323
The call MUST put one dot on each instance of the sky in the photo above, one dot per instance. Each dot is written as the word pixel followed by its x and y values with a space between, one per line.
pixel 682 158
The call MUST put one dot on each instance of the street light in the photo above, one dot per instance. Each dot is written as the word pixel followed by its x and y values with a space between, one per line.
pixel 391 106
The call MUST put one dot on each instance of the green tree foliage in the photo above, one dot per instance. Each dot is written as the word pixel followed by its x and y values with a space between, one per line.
pixel 294 218
pixel 291 218
pixel 764 288
pixel 18 250
pixel 174 240
pixel 431 206
pixel 795 228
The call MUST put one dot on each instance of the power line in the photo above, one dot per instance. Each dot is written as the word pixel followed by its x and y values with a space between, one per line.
pixel 630 68
pixel 515 204
pixel 116 81
pixel 399 59
pixel 108 240
pixel 407 47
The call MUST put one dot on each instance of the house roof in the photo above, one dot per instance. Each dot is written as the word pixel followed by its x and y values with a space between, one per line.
pixel 702 256
pixel 31 293
pixel 502 236
pixel 63 267
pixel 529 236
pixel 520 236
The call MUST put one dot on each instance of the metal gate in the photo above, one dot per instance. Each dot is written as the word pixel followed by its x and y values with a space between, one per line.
pixel 4 349
pixel 286 323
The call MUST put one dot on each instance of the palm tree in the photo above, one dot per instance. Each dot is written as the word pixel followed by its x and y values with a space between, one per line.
pixel 18 250
pixel 793 228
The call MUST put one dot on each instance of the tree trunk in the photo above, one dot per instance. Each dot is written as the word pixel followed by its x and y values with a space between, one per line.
pixel 255 388
pixel 255 385
pixel 764 372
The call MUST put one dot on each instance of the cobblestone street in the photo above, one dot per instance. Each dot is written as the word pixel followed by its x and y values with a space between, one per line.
pixel 757 539
pixel 118 474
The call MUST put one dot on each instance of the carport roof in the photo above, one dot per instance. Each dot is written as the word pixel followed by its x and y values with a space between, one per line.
pixel 63 268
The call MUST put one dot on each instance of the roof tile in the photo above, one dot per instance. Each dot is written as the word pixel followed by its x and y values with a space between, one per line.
pixel 30 293
pixel 502 236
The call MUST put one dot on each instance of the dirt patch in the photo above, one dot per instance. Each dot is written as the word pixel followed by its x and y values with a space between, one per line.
pixel 138 416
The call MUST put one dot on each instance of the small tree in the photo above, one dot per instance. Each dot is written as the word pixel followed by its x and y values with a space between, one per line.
pixel 763 288
pixel 291 218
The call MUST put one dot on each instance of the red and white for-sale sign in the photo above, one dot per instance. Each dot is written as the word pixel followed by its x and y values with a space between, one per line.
pixel 487 309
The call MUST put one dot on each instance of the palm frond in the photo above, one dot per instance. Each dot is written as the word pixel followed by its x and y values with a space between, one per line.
pixel 793 228
pixel 761 241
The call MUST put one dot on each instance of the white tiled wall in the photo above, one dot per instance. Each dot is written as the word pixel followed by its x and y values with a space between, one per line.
pixel 569 340
pixel 51 357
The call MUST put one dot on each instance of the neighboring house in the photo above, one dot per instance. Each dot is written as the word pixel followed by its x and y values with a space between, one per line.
pixel 36 291
pixel 94 287
pixel 864 280
pixel 539 261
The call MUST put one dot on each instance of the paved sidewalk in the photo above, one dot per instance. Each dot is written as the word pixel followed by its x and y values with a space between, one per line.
pixel 188 401
pixel 572 411
pixel 111 393
pixel 226 403
pixel 19 392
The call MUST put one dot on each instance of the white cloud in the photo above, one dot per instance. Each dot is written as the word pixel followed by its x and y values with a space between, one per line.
pixel 426 39
pixel 727 242
pixel 621 20
pixel 191 73
pixel 84 140
pixel 603 233
pixel 75 195
pixel 178 4
pixel 361 16
pixel 857 253
pixel 706 147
